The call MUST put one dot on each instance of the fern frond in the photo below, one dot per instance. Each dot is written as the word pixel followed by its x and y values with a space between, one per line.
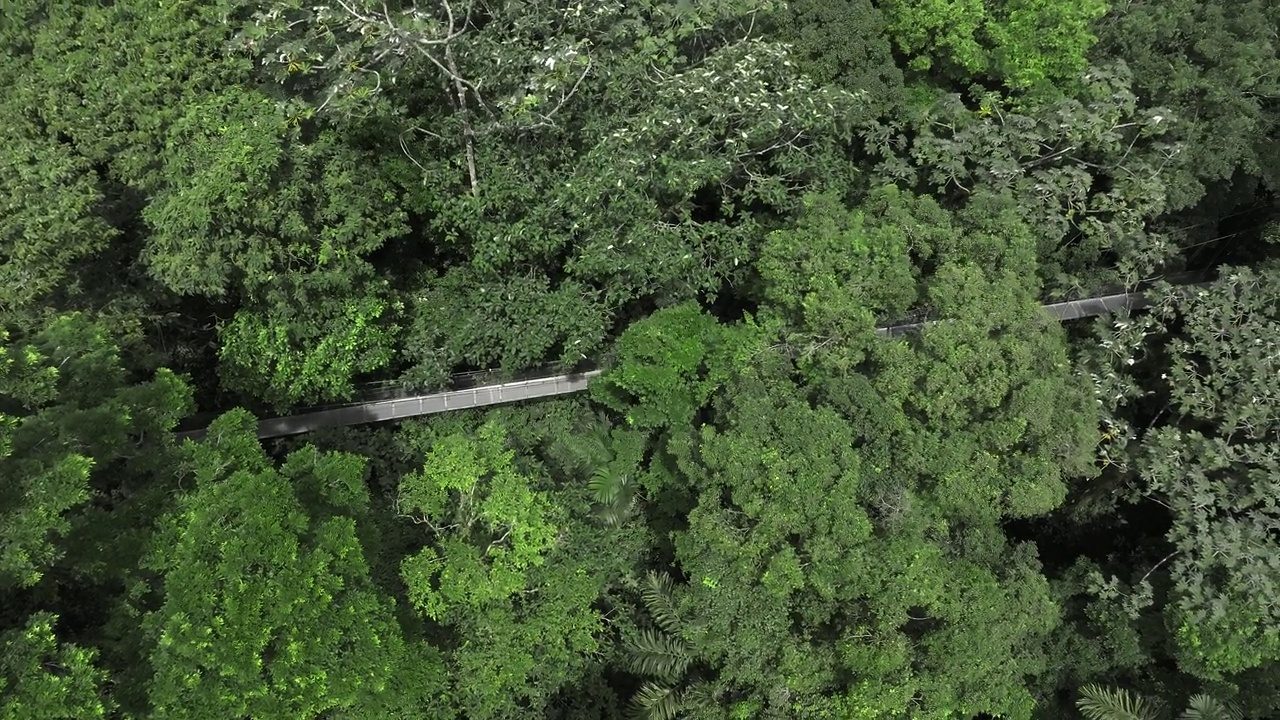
pixel 657 594
pixel 658 655
pixel 1204 707
pixel 655 702
pixel 1100 703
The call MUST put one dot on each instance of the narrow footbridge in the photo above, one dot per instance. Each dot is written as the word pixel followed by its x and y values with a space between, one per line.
pixel 396 408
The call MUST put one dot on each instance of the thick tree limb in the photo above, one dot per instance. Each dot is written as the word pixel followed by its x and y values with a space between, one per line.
pixel 468 132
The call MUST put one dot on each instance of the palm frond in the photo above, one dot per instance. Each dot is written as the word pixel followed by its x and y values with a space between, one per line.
pixel 655 702
pixel 589 448
pixel 1100 703
pixel 597 443
pixel 698 696
pixel 1204 707
pixel 657 593
pixel 658 655
pixel 607 486
pixel 616 514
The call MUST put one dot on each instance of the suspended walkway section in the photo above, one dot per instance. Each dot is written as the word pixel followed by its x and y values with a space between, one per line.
pixel 381 410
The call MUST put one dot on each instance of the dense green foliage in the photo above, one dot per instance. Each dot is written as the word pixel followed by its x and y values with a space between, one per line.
pixel 762 508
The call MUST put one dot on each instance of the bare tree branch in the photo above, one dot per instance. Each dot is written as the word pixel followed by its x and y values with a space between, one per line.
pixel 468 132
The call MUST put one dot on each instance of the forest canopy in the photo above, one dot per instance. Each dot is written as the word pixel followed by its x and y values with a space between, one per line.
pixel 216 211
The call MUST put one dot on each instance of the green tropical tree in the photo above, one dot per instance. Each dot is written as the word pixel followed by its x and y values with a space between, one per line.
pixel 1212 356
pixel 44 679
pixel 263 605
pixel 72 430
pixel 609 460
pixel 490 565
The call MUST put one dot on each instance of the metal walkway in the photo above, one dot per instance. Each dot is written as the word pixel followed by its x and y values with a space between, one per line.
pixel 1063 311
pixel 381 410
pixel 396 409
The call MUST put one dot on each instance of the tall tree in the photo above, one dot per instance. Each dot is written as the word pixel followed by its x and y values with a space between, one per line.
pixel 1099 703
pixel 805 594
pixel 262 603
pixel 1089 172
pixel 49 213
pixel 1037 47
pixel 42 679
pixel 72 429
pixel 1188 395
pixel 669 364
pixel 494 574
pixel 845 44
pixel 282 223
pixel 1216 66
pixel 1218 473
pixel 582 164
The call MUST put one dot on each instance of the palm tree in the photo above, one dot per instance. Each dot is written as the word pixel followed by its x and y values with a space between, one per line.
pixel 664 656
pixel 1100 703
pixel 611 483
pixel 613 491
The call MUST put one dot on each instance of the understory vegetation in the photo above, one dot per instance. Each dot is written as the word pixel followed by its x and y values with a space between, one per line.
pixel 214 211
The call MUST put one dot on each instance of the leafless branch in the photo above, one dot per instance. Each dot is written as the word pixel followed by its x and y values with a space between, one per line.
pixel 1157 565
pixel 546 120
pixel 333 92
pixel 1047 158
pixel 355 13
pixel 405 149
pixel 662 76
pixel 424 520
pixel 564 98
pixel 499 541
pixel 775 146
